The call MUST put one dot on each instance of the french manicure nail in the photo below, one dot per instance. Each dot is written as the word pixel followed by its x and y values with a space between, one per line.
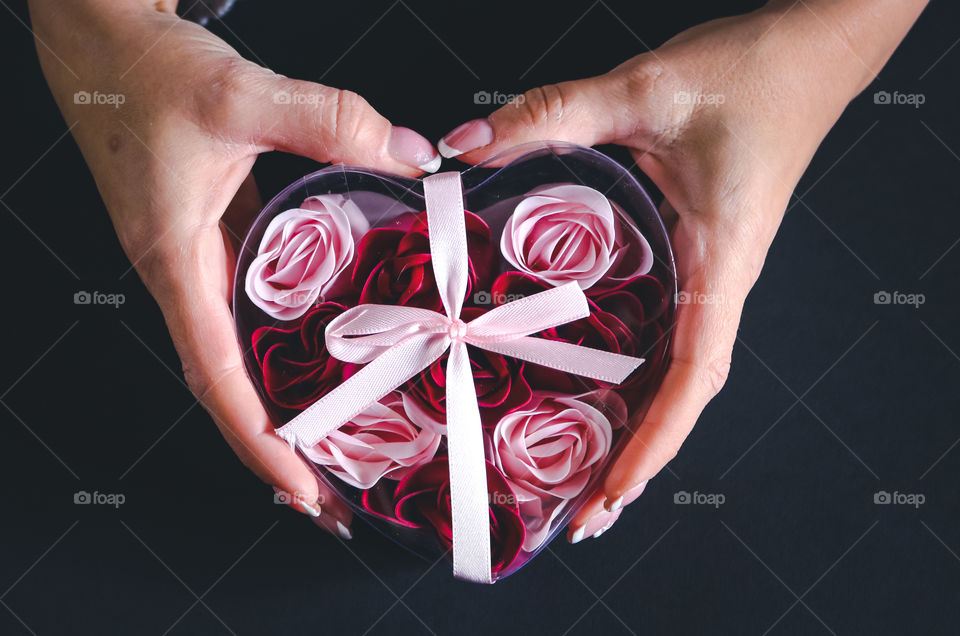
pixel 466 137
pixel 598 523
pixel 627 497
pixel 282 496
pixel 413 149
pixel 613 506
pixel 606 527
pixel 333 525
pixel 578 535
pixel 313 511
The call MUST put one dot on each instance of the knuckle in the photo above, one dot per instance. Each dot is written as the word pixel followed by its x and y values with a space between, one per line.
pixel 542 105
pixel 164 264
pixel 747 238
pixel 661 449
pixel 713 375
pixel 753 266
pixel 668 450
pixel 222 103
pixel 197 381
pixel 344 115
pixel 201 380
pixel 154 269
pixel 653 90
pixel 156 265
pixel 644 74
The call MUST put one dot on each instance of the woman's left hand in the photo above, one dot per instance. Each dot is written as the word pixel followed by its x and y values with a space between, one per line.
pixel 724 118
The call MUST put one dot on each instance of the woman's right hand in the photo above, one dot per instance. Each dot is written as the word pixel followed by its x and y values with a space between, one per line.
pixel 174 121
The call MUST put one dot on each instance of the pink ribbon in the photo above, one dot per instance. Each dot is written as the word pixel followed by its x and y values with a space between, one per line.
pixel 397 342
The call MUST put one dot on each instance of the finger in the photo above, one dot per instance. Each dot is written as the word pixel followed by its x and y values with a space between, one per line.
pixel 704 335
pixel 240 213
pixel 564 112
pixel 336 517
pixel 330 125
pixel 593 517
pixel 192 289
pixel 608 108
pixel 596 526
pixel 328 512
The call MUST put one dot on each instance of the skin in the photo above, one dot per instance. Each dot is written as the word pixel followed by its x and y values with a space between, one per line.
pixel 173 167
pixel 785 73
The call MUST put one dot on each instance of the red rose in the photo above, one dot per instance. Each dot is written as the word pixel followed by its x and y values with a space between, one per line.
pixel 640 303
pixel 297 369
pixel 623 319
pixel 600 330
pixel 642 297
pixel 422 500
pixel 499 381
pixel 394 265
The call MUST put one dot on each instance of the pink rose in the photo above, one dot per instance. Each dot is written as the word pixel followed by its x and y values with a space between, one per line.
pixel 302 255
pixel 549 449
pixel 570 233
pixel 380 442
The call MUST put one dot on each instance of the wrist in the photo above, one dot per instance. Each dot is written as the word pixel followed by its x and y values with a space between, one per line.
pixel 856 38
pixel 56 21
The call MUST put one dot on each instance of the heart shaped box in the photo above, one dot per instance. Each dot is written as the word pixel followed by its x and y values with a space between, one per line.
pixel 548 435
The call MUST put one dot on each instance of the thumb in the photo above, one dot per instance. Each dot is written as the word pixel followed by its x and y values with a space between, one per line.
pixel 610 108
pixel 337 126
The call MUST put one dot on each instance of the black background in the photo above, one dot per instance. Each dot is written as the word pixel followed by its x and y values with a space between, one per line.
pixel 832 397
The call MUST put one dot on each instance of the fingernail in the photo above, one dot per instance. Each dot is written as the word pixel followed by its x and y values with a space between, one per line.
pixel 606 527
pixel 599 523
pixel 577 536
pixel 627 497
pixel 333 525
pixel 466 137
pixel 282 496
pixel 413 149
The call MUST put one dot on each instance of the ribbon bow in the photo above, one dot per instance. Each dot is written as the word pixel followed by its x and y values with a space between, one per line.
pixel 398 342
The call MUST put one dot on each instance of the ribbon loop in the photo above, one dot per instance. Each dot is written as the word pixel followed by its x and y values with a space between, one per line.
pixel 531 314
pixel 398 342
pixel 364 332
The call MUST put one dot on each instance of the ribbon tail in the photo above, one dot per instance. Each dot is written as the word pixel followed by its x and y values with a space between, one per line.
pixel 563 356
pixel 448 238
pixel 368 386
pixel 468 472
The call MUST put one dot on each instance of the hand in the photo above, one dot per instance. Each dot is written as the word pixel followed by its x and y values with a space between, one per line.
pixel 724 118
pixel 173 166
